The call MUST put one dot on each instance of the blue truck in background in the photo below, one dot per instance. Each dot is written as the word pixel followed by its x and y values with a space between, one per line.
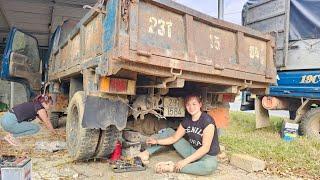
pixel 295 26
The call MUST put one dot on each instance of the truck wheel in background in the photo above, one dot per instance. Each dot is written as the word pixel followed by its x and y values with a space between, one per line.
pixel 54 118
pixel 310 123
pixel 107 142
pixel 292 114
pixel 81 142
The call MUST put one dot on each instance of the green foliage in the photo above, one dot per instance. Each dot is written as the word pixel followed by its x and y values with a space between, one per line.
pixel 300 157
pixel 3 106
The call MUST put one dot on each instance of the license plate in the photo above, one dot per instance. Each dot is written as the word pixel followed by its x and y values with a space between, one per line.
pixel 173 107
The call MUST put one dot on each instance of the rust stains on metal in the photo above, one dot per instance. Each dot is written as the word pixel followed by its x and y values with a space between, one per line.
pixel 60 102
pixel 152 37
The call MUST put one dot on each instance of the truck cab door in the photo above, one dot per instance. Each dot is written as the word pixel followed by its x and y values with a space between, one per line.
pixel 21 61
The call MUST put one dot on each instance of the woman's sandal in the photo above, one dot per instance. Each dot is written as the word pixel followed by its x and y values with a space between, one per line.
pixel 11 140
pixel 163 167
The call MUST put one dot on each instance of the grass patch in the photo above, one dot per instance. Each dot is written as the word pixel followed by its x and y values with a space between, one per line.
pixel 300 157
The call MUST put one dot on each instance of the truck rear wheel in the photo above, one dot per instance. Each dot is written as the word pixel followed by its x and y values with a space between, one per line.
pixel 81 142
pixel 310 123
pixel 54 118
pixel 107 142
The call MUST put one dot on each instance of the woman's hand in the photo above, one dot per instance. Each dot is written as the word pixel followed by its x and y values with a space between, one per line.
pixel 179 165
pixel 43 115
pixel 152 141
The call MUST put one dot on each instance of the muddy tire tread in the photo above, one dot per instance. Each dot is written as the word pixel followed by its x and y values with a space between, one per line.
pixel 306 121
pixel 54 119
pixel 107 142
pixel 87 138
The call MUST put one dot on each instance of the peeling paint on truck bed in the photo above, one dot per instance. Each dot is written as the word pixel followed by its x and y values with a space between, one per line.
pixel 161 37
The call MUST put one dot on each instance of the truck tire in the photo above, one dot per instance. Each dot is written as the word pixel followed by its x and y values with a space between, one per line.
pixel 310 123
pixel 54 118
pixel 81 142
pixel 107 142
pixel 292 115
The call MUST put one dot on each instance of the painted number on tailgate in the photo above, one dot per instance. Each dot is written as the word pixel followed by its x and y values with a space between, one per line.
pixel 173 107
pixel 160 27
pixel 254 52
pixel 214 42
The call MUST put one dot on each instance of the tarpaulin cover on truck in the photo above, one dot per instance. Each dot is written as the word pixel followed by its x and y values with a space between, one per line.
pixel 304 18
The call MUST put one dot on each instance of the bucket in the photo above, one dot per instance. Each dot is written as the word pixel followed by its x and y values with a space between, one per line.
pixel 290 131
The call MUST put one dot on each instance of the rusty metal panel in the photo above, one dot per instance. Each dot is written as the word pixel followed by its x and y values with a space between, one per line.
pixel 161 32
pixel 255 55
pixel 303 54
pixel 93 37
pixel 266 10
pixel 164 32
pixel 65 56
pixel 271 16
pixel 75 48
pixel 60 102
pixel 214 46
pixel 161 37
pixel 55 62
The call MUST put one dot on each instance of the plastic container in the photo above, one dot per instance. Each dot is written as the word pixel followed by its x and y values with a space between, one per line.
pixel 290 131
pixel 15 168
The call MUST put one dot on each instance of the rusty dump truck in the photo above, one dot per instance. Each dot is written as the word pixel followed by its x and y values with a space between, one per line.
pixel 136 60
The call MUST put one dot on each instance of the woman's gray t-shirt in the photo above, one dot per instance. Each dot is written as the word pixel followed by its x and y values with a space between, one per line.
pixel 194 131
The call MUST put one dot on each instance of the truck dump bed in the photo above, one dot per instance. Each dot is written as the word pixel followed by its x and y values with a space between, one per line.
pixel 295 26
pixel 163 38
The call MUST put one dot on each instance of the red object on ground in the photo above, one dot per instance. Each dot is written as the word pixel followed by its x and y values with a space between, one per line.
pixel 116 152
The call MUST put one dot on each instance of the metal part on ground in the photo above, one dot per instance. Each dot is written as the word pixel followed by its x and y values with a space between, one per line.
pixel 128 165
pixel 131 136
pixel 126 144
pixel 131 151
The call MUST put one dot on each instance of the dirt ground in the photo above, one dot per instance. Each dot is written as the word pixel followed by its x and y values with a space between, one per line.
pixel 58 165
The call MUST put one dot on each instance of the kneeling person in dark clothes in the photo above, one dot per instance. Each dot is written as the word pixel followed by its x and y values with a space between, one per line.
pixel 17 120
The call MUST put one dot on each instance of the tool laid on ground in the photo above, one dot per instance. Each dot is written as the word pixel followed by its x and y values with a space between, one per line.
pixel 128 165
pixel 15 168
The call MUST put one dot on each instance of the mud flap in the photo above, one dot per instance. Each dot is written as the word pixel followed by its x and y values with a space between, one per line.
pixel 262 114
pixel 99 113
